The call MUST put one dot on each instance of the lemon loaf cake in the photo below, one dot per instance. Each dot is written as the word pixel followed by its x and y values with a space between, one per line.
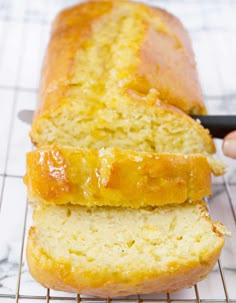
pixel 108 251
pixel 115 177
pixel 120 74
pixel 121 167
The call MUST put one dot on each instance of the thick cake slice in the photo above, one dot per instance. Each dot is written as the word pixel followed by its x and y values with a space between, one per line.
pixel 115 177
pixel 108 251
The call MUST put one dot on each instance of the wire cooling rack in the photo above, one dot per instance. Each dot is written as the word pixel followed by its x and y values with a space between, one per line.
pixel 24 32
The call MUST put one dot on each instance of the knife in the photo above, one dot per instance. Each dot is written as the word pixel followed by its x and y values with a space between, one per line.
pixel 218 125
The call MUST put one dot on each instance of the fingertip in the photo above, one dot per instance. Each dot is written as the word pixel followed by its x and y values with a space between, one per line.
pixel 231 136
pixel 229 145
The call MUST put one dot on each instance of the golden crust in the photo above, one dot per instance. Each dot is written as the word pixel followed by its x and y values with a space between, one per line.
pixel 162 47
pixel 115 177
pixel 65 275
pixel 167 62
pixel 60 276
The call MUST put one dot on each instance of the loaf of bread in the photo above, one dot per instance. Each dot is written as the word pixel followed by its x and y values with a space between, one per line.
pixel 107 251
pixel 115 177
pixel 120 74
pixel 120 167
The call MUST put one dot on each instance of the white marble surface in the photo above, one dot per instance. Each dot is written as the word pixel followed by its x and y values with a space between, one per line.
pixel 24 30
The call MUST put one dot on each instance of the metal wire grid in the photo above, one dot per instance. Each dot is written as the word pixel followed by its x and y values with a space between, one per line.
pixel 24 85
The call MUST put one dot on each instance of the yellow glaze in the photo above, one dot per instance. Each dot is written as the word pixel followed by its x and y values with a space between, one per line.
pixel 115 177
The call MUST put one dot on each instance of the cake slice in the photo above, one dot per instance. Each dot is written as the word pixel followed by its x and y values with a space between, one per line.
pixel 115 177
pixel 114 251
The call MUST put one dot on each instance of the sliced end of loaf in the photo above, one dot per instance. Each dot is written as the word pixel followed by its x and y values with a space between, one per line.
pixel 118 64
pixel 127 123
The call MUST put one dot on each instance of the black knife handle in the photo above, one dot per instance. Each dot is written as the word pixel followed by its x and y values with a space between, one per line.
pixel 218 125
